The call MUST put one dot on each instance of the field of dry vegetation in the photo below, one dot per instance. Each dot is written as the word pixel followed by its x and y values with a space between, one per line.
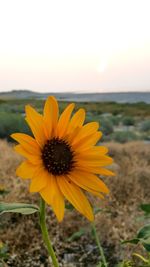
pixel 119 220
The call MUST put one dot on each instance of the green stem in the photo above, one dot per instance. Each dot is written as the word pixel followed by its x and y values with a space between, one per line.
pixel 99 246
pixel 45 234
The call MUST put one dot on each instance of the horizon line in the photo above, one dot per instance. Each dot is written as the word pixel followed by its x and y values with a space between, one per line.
pixel 77 92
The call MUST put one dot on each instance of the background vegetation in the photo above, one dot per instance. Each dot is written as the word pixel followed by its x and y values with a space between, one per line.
pixel 119 122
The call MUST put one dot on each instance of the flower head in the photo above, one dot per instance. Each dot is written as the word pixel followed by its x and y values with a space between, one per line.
pixel 62 160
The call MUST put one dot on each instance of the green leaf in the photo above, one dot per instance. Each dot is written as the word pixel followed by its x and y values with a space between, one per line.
pixel 145 208
pixel 76 235
pixel 22 208
pixel 146 244
pixel 100 265
pixel 144 236
pixel 144 232
pixel 147 247
pixel 131 241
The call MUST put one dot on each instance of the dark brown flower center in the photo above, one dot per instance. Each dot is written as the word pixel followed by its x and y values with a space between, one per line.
pixel 58 157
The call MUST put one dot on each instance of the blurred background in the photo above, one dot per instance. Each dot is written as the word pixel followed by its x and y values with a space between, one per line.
pixel 97 54
pixel 74 49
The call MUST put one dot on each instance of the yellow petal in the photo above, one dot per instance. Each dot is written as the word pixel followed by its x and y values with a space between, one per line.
pixel 70 136
pixel 27 142
pixel 77 120
pixel 93 153
pixel 51 113
pixel 39 180
pixel 96 170
pixel 94 193
pixel 75 196
pixel 53 196
pixel 34 159
pixel 36 123
pixel 64 120
pixel 106 172
pixel 26 170
pixel 87 130
pixel 88 180
pixel 101 161
pixel 87 142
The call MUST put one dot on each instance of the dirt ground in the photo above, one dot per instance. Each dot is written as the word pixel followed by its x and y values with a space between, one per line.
pixel 120 220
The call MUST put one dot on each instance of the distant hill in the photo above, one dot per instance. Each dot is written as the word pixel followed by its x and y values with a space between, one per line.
pixel 128 97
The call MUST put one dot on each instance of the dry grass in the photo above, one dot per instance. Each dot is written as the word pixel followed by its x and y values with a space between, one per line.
pixel 128 189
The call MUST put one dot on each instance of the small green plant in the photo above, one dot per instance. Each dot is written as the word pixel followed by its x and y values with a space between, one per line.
pixel 3 190
pixel 128 121
pixel 11 123
pixel 76 235
pixel 106 126
pixel 143 238
pixel 123 136
pixel 145 126
pixel 115 119
pixel 3 252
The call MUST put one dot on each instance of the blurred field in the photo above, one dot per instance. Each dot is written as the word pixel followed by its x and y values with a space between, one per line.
pixel 72 238
pixel 130 188
pixel 120 122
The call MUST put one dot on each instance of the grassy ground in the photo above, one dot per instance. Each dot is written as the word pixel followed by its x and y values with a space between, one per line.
pixel 129 188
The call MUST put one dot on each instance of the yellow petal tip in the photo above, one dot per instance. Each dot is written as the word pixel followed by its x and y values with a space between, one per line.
pixel 59 219
pixel 113 173
pixel 91 218
pixel 27 107
pixel 13 136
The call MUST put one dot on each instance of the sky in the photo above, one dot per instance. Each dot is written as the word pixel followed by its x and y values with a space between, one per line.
pixel 75 45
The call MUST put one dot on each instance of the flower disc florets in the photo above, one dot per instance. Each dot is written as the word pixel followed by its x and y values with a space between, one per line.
pixel 57 156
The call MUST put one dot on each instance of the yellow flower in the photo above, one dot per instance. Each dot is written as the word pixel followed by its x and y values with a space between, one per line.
pixel 62 158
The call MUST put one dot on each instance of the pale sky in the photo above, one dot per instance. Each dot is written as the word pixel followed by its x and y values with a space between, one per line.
pixel 75 45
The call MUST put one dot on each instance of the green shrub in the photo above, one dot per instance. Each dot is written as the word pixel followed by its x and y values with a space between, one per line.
pixel 128 121
pixel 115 120
pixel 123 136
pixel 106 126
pixel 145 126
pixel 145 136
pixel 10 123
pixel 92 117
